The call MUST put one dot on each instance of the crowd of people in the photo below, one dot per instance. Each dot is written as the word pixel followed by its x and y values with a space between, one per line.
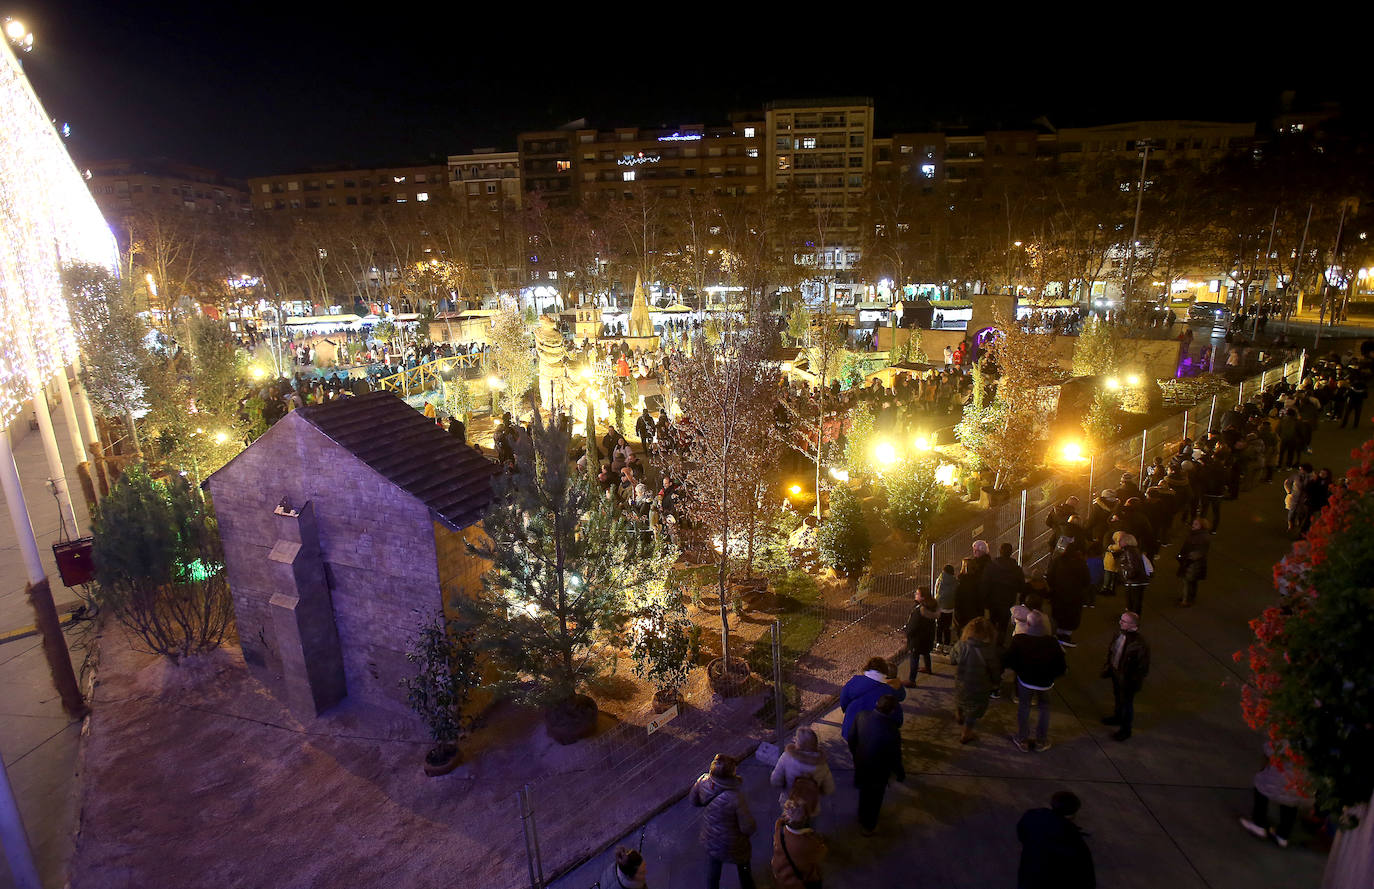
pixel 991 619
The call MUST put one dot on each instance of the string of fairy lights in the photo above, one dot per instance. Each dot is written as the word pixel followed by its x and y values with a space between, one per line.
pixel 47 218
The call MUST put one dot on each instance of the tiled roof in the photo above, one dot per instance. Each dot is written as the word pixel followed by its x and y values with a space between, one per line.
pixel 396 440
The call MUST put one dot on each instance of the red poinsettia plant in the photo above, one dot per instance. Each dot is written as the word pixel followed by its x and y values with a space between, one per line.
pixel 1312 662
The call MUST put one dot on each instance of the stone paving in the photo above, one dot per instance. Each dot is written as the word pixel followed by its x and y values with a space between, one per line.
pixel 1161 808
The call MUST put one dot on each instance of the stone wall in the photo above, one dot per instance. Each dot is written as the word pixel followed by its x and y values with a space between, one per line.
pixel 377 543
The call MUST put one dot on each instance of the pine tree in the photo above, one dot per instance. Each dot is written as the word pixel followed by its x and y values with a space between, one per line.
pixel 914 497
pixel 1097 351
pixel 843 538
pixel 1099 424
pixel 564 572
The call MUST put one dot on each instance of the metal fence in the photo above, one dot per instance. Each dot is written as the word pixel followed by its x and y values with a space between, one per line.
pixel 814 647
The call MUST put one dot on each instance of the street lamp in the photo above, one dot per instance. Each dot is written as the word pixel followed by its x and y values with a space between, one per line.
pixel 20 37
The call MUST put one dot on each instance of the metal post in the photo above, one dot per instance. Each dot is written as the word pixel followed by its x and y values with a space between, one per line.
pixel 1185 422
pixel 14 839
pixel 1212 413
pixel 1092 467
pixel 536 866
pixel 39 593
pixel 1240 393
pixel 778 713
pixel 1021 533
pixel 1144 438
pixel 51 453
pixel 933 568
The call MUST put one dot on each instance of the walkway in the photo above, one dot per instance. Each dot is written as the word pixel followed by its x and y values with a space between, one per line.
pixel 38 742
pixel 1161 808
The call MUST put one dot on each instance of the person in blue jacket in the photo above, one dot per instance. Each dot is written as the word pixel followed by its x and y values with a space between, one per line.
pixel 863 691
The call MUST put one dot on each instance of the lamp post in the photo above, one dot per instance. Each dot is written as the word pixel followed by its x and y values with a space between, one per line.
pixel 1135 226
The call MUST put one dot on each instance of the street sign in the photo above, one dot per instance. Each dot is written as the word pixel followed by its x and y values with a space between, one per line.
pixel 662 719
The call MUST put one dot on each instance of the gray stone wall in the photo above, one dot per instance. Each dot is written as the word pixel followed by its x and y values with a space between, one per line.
pixel 377 542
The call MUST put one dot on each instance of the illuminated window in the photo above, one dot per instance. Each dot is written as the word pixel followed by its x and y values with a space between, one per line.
pixel 808 142
pixel 749 132
pixel 628 175
pixel 293 186
pixel 266 189
pixel 752 152
pixel 563 166
pixel 928 171
pixel 398 179
pixel 400 197
pixel 422 196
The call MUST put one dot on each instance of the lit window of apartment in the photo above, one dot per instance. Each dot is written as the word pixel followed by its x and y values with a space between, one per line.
pixel 628 175
pixel 398 179
pixel 748 132
pixel 752 152
pixel 928 171
pixel 329 183
pixel 267 205
pixel 293 186
pixel 808 142
pixel 266 189
pixel 563 166
pixel 422 196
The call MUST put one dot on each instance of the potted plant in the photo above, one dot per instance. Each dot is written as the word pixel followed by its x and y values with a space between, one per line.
pixel 664 645
pixel 442 689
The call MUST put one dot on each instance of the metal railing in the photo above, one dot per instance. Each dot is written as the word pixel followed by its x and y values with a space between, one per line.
pixel 429 375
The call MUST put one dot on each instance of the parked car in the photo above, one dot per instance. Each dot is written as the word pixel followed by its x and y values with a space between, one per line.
pixel 1213 313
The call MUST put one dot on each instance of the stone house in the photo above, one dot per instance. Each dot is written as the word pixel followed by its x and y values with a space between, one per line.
pixel 344 529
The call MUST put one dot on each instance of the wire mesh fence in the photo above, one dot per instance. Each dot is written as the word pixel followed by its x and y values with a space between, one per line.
pixel 825 636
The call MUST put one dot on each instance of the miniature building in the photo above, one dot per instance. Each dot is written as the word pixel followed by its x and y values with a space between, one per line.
pixel 343 531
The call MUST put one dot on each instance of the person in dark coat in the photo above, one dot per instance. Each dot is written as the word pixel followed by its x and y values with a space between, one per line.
pixel 1054 854
pixel 726 824
pixel 968 599
pixel 645 428
pixel 1069 584
pixel 1000 587
pixel 1192 560
pixel 876 744
pixel 1128 663
pixel 863 691
pixel 920 631
pixel 1037 659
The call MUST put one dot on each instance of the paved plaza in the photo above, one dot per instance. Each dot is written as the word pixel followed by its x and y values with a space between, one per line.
pixel 1160 808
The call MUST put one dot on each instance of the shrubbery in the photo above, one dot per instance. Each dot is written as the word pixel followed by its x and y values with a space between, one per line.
pixel 843 538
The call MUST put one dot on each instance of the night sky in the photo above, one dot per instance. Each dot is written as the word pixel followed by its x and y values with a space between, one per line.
pixel 274 88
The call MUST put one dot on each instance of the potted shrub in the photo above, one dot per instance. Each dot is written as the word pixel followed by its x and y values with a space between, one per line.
pixel 440 692
pixel 664 645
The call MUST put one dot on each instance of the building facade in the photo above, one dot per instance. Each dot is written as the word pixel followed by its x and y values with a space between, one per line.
pixel 123 185
pixel 485 179
pixel 341 189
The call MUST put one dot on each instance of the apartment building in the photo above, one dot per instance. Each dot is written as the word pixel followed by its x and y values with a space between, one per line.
pixel 684 160
pixel 122 185
pixel 485 179
pixel 586 164
pixel 345 188
pixel 821 149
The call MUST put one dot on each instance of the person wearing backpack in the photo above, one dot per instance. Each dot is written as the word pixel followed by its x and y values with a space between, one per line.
pixel 803 773
pixel 1133 571
pixel 726 824
pixel 798 851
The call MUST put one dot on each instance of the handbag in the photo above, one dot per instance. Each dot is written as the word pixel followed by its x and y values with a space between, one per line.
pixel 782 841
